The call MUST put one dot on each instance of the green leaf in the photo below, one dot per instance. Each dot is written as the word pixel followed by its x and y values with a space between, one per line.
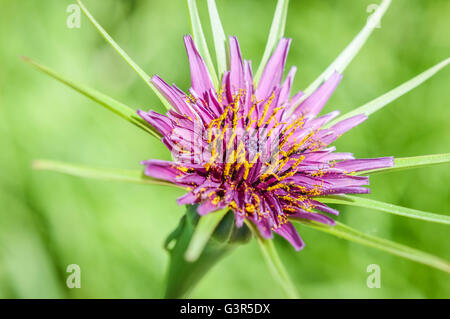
pixel 346 232
pixel 344 59
pixel 124 55
pixel 275 34
pixel 109 103
pixel 219 37
pixel 200 41
pixel 106 174
pixel 275 264
pixel 205 228
pixel 385 99
pixel 411 162
pixel 182 275
pixel 385 207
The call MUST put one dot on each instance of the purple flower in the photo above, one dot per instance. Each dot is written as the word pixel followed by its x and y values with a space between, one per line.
pixel 254 149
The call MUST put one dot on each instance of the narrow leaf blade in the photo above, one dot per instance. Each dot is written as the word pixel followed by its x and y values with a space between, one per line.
pixel 109 103
pixel 219 37
pixel 275 34
pixel 275 264
pixel 123 54
pixel 200 40
pixel 100 173
pixel 386 207
pixel 404 163
pixel 346 232
pixel 385 99
pixel 344 59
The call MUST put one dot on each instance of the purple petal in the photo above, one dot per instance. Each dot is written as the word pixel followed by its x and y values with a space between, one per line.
pixel 321 121
pixel 328 136
pixel 346 190
pixel 172 95
pixel 273 71
pixel 356 165
pixel 286 87
pixel 236 67
pixel 317 100
pixel 191 179
pixel 188 198
pixel 313 216
pixel 161 169
pixel 324 208
pixel 341 180
pixel 296 97
pixel 347 124
pixel 263 227
pixel 160 122
pixel 289 232
pixel 200 78
pixel 248 74
pixel 207 207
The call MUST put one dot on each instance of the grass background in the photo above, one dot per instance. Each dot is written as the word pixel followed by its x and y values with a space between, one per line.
pixel 115 231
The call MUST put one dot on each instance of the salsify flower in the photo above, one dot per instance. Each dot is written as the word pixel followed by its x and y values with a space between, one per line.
pixel 254 149
pixel 245 143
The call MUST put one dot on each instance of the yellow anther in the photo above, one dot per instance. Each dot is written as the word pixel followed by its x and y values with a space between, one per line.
pixel 250 207
pixel 266 108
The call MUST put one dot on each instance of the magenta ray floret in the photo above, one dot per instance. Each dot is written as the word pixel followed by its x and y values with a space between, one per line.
pixel 245 148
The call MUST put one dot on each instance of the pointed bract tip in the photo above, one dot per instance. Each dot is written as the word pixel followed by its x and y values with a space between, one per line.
pixel 37 164
pixel 24 58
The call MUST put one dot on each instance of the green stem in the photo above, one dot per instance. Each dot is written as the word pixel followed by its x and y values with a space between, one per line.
pixel 275 264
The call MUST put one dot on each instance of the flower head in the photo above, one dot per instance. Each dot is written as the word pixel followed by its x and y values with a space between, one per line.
pixel 253 148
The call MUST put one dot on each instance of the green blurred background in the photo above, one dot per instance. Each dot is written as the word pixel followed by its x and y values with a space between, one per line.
pixel 115 231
